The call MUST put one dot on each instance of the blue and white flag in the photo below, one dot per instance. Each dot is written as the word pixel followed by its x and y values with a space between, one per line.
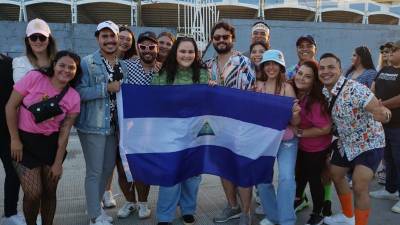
pixel 171 133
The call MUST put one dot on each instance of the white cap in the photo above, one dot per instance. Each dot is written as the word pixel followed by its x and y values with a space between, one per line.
pixel 273 55
pixel 37 26
pixel 110 25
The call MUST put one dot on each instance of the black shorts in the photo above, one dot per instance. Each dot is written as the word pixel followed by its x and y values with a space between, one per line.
pixel 38 149
pixel 370 159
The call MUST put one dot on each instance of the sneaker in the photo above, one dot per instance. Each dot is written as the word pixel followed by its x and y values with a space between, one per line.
pixel 188 219
pixel 38 219
pixel 144 211
pixel 266 221
pixel 126 210
pixel 108 200
pixel 245 219
pixel 396 207
pixel 301 204
pixel 259 210
pixel 327 208
pixel 99 221
pixel 339 219
pixel 13 220
pixel 383 194
pixel 227 214
pixel 105 216
pixel 315 220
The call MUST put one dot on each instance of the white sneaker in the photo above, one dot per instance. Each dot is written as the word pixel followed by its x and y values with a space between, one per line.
pixel 99 221
pixel 259 210
pixel 144 211
pixel 339 219
pixel 105 216
pixel 13 220
pixel 38 219
pixel 396 207
pixel 266 221
pixel 383 194
pixel 126 209
pixel 108 200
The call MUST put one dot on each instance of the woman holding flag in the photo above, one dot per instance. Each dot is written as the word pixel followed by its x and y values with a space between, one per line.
pixel 278 207
pixel 181 67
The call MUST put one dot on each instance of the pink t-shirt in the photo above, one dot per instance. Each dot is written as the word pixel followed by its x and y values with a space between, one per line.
pixel 314 118
pixel 36 86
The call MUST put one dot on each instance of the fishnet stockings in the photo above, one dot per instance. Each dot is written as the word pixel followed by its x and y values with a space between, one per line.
pixel 39 192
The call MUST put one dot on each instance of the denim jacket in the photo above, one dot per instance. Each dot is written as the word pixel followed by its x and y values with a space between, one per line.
pixel 95 101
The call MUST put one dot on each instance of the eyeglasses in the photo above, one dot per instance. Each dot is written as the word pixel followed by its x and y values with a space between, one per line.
pixel 385 52
pixel 35 37
pixel 224 37
pixel 147 47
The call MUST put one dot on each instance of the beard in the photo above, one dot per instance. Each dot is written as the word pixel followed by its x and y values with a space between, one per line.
pixel 228 47
pixel 148 57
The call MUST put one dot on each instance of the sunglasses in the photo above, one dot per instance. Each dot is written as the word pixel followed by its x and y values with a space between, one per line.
pixel 385 52
pixel 224 37
pixel 35 37
pixel 147 47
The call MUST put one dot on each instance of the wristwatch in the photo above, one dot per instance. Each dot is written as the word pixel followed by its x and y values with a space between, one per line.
pixel 299 132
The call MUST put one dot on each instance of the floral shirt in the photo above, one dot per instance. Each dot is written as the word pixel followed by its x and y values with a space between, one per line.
pixel 358 131
pixel 237 72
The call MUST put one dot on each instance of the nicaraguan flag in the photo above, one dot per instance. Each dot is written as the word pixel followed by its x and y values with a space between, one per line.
pixel 171 133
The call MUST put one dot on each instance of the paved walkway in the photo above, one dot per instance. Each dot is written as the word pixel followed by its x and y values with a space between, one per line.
pixel 211 199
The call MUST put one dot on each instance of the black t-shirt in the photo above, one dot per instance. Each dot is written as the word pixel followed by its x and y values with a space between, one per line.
pixel 6 87
pixel 387 85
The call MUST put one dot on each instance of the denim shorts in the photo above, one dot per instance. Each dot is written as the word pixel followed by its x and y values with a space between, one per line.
pixel 370 159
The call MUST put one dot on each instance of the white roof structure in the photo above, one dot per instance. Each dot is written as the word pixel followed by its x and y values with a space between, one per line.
pixel 164 13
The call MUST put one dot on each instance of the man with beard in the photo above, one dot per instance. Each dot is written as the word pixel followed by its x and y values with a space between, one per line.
pixel 306 51
pixel 102 74
pixel 142 69
pixel 231 69
pixel 140 72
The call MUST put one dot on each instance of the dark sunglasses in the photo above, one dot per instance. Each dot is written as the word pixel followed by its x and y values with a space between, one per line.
pixel 35 37
pixel 224 37
pixel 145 47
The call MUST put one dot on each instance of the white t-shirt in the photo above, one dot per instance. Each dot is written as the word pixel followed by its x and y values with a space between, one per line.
pixel 21 66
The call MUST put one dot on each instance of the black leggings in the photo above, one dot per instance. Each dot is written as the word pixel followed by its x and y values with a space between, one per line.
pixel 11 183
pixel 309 167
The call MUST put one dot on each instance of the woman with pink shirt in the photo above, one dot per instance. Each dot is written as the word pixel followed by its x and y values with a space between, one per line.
pixel 40 113
pixel 314 137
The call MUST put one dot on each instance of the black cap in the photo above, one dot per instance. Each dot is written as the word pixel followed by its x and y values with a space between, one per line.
pixel 386 45
pixel 308 38
pixel 148 35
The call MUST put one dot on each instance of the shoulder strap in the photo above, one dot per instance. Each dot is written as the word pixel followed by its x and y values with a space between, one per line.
pixel 333 100
pixel 62 93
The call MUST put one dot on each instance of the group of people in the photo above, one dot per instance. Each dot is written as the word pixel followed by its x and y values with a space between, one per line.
pixel 342 125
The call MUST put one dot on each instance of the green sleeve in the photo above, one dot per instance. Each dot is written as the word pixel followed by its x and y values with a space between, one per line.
pixel 204 76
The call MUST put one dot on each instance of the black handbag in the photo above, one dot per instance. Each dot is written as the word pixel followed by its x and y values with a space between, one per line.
pixel 48 108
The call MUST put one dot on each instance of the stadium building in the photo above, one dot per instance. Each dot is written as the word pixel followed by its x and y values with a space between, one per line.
pixel 165 13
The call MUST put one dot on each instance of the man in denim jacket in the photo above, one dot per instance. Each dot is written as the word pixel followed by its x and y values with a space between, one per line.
pixel 97 123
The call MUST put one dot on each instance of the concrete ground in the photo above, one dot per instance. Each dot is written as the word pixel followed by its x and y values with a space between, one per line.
pixel 71 205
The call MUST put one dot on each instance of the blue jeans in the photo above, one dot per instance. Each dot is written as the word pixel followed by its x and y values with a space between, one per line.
pixel 278 207
pixel 392 159
pixel 184 194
